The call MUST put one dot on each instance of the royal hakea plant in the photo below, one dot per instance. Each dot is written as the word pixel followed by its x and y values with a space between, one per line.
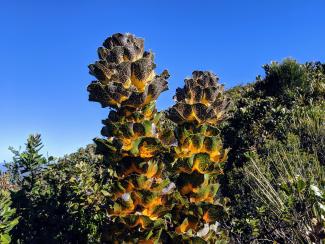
pixel 127 83
pixel 157 192
pixel 199 156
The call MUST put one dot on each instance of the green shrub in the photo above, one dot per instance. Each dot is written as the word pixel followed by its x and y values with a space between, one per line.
pixel 262 110
pixel 289 99
pixel 309 123
pixel 288 191
pixel 7 219
pixel 61 204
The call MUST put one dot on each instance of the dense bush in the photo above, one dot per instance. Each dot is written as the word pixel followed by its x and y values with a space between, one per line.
pixel 262 110
pixel 58 205
pixel 7 219
pixel 288 192
pixel 288 100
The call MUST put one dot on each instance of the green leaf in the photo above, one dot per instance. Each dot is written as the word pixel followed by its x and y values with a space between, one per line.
pixel 105 193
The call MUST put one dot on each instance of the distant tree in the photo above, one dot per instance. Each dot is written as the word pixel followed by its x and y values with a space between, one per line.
pixel 25 173
pixel 28 164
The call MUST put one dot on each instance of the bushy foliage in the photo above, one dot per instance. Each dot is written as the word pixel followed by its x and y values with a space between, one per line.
pixel 308 123
pixel 288 100
pixel 55 208
pixel 288 193
pixel 7 219
pixel 262 110
pixel 76 187
pixel 26 173
pixel 27 164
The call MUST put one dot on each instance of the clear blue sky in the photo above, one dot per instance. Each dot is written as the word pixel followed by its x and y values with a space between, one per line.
pixel 45 48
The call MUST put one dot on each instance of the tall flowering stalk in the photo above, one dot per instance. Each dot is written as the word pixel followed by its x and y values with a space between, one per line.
pixel 128 85
pixel 198 156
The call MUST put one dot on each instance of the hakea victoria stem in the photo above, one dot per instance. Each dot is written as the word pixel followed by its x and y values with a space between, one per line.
pixel 199 154
pixel 127 83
